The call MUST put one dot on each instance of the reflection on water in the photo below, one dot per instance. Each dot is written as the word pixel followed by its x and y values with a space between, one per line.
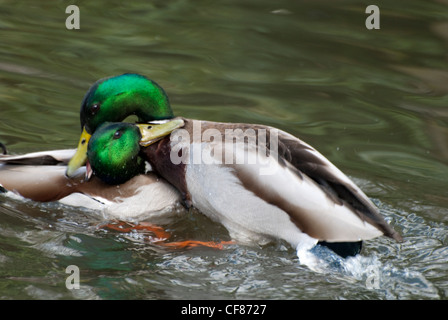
pixel 374 102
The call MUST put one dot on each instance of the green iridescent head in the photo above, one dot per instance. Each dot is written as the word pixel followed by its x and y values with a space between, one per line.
pixel 114 149
pixel 113 152
pixel 114 99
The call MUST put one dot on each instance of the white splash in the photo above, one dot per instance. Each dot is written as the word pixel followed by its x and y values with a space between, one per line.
pixel 368 271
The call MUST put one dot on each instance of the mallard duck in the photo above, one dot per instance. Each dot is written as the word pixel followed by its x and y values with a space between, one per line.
pixel 60 175
pixel 291 192
pixel 40 176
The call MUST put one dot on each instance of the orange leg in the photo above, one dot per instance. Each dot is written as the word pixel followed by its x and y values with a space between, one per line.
pixel 194 243
pixel 161 235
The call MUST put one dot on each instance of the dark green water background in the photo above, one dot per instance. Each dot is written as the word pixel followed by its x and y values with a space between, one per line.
pixel 375 102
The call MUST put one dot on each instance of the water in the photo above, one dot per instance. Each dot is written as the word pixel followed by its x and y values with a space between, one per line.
pixel 374 102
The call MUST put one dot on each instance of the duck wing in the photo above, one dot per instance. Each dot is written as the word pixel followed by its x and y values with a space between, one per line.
pixel 307 160
pixel 41 183
pixel 46 183
pixel 52 157
pixel 320 199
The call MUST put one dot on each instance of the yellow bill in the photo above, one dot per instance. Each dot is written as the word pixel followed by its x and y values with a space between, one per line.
pixel 80 157
pixel 154 132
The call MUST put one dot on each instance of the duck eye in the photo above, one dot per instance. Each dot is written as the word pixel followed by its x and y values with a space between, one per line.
pixel 118 134
pixel 95 108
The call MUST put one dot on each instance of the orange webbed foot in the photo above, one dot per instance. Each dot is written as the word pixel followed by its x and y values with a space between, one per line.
pixel 194 243
pixel 144 227
pixel 160 235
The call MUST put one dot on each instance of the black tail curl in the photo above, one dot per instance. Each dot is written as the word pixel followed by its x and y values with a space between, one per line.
pixel 343 249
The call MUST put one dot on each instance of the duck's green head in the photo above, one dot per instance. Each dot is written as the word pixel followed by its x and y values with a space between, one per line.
pixel 113 153
pixel 114 99
pixel 113 150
